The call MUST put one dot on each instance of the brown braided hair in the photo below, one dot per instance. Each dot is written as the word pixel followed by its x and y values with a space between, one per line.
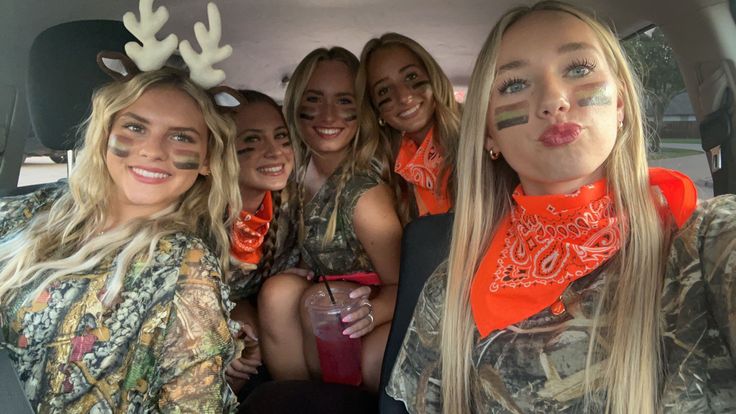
pixel 269 245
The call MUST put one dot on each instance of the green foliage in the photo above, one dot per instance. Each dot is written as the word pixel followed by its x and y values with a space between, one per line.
pixel 654 63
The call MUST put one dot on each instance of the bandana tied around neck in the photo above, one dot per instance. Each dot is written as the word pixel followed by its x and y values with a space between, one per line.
pixel 421 167
pixel 248 233
pixel 548 242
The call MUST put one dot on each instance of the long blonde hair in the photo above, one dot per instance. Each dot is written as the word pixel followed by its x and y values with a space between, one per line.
pixel 65 239
pixel 365 152
pixel 629 305
pixel 446 116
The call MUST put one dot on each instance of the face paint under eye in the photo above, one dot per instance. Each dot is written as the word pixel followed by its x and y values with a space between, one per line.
pixel 120 146
pixel 348 115
pixel 593 94
pixel 307 113
pixel 421 84
pixel 186 160
pixel 512 115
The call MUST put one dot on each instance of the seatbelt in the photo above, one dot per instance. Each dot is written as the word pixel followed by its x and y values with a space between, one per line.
pixel 12 397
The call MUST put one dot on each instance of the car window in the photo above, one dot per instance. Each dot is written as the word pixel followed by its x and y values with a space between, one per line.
pixel 674 137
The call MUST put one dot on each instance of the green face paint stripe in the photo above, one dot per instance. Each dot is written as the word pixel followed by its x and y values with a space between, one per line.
pixel 512 115
pixel 120 146
pixel 593 94
pixel 349 115
pixel 512 122
pixel 186 160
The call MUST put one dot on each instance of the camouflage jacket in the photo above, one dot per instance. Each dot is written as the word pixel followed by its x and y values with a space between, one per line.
pixel 162 347
pixel 536 366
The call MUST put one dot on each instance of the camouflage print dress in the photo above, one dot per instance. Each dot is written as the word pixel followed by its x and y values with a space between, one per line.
pixel 344 254
pixel 537 365
pixel 161 348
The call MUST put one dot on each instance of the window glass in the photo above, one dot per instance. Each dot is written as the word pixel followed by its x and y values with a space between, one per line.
pixel 674 139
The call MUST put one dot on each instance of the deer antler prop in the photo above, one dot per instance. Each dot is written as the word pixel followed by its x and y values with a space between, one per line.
pixel 200 65
pixel 154 53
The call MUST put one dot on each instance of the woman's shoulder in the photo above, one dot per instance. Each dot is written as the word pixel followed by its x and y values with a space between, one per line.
pixel 190 254
pixel 16 211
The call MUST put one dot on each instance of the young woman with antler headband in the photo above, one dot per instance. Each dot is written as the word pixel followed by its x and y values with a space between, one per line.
pixel 112 285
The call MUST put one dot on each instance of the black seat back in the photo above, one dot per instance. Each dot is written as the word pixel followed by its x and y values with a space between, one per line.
pixel 425 245
pixel 63 73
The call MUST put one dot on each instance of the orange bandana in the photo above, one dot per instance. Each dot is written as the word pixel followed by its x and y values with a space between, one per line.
pixel 248 233
pixel 421 167
pixel 548 242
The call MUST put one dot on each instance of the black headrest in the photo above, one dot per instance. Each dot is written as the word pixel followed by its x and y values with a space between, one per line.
pixel 63 73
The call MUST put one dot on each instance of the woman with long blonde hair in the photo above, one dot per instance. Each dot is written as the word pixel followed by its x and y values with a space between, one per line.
pixel 347 227
pixel 578 279
pixel 409 98
pixel 112 286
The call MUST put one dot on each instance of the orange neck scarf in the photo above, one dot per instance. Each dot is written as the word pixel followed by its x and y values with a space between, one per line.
pixel 248 233
pixel 548 242
pixel 421 167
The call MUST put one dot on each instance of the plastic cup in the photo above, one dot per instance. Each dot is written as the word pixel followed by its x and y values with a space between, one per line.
pixel 339 355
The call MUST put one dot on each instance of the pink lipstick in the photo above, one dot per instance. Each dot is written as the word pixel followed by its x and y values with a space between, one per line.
pixel 560 134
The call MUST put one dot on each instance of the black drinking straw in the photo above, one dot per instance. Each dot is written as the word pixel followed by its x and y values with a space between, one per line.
pixel 329 291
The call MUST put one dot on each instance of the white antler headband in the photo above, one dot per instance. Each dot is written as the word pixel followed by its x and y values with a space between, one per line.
pixel 200 65
pixel 152 53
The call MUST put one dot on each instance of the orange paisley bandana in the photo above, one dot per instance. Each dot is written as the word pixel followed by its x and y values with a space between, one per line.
pixel 548 242
pixel 249 231
pixel 421 167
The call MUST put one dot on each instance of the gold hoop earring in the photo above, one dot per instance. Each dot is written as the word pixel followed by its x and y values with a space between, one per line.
pixel 381 122
pixel 494 155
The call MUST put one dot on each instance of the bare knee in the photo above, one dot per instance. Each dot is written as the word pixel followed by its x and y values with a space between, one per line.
pixel 278 301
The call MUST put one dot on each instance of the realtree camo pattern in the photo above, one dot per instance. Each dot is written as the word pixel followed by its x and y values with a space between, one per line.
pixel 537 366
pixel 161 348
pixel 344 254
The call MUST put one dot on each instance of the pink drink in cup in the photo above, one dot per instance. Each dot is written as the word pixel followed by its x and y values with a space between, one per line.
pixel 339 355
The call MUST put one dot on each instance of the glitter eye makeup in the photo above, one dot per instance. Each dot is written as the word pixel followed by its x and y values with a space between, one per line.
pixel 186 160
pixel 593 94
pixel 120 146
pixel 512 115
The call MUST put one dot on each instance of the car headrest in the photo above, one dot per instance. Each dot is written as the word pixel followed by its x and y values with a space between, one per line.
pixel 63 73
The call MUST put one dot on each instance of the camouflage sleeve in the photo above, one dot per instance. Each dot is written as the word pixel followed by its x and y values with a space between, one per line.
pixel 415 379
pixel 717 237
pixel 198 344
pixel 17 211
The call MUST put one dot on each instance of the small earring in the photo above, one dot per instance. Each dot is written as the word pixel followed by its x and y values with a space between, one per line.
pixel 381 122
pixel 620 124
pixel 494 155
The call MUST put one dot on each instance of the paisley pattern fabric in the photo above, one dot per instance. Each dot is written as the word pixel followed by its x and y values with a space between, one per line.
pixel 544 244
pixel 537 365
pixel 248 233
pixel 421 167
pixel 162 347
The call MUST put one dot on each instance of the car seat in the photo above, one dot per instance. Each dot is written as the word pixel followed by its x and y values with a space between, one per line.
pixel 62 75
pixel 425 245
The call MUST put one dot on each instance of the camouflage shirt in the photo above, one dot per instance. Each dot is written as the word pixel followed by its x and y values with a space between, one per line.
pixel 537 365
pixel 344 254
pixel 162 347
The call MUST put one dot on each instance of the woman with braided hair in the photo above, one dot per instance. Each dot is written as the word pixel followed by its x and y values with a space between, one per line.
pixel 266 162
pixel 347 223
